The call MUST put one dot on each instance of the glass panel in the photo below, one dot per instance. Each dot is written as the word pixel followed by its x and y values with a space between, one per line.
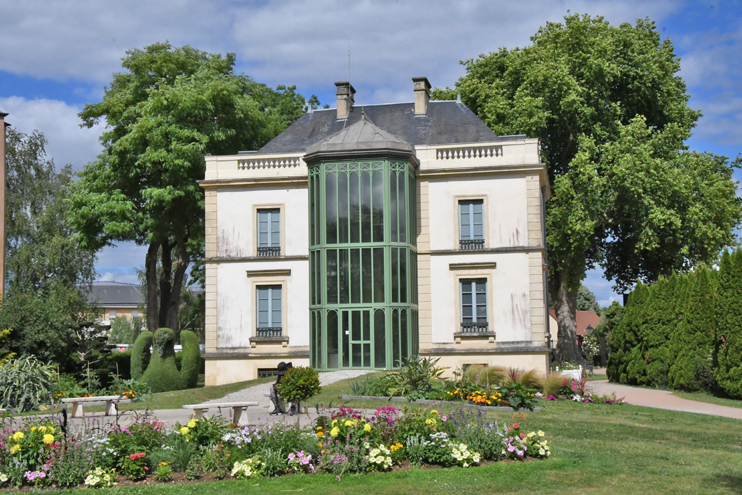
pixel 319 353
pixel 311 212
pixel 395 275
pixel 402 210
pixel 357 363
pixel 367 276
pixel 378 206
pixel 332 273
pixel 477 220
pixel 413 210
pixel 366 355
pixel 356 327
pixel 346 340
pixel 275 216
pixel 365 207
pixel 312 278
pixel 379 275
pixel 355 276
pixel 367 325
pixel 317 211
pixel 393 204
pixel 332 340
pixel 262 228
pixel 355 205
pixel 312 340
pixel 331 209
pixel 402 275
pixel 464 221
pixel 344 276
pixel 481 300
pixel 276 307
pixel 342 208
pixel 379 339
pixel 403 333
pixel 395 338
pixel 263 307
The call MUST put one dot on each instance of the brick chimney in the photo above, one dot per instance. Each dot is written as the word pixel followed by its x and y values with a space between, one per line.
pixel 345 92
pixel 3 174
pixel 422 95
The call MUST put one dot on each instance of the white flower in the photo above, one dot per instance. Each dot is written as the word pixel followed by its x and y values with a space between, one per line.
pixel 541 433
pixel 542 452
pixel 3 478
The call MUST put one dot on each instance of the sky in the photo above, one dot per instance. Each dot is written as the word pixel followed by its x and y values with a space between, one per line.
pixel 57 56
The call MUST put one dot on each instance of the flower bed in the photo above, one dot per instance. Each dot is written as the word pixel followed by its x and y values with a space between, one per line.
pixel 39 454
pixel 431 401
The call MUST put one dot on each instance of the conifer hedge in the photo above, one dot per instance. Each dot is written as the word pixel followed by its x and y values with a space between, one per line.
pixel 683 332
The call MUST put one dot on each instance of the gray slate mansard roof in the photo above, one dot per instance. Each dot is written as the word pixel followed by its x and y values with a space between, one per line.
pixel 447 122
pixel 115 294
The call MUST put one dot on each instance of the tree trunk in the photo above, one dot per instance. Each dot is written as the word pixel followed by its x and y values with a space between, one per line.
pixel 177 287
pixel 166 269
pixel 151 276
pixel 565 307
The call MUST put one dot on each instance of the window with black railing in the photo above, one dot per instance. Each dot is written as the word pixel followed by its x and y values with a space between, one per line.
pixel 270 332
pixel 471 225
pixel 474 327
pixel 269 251
pixel 471 244
pixel 474 305
pixel 269 232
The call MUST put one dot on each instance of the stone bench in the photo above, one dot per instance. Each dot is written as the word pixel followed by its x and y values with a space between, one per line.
pixel 111 402
pixel 239 410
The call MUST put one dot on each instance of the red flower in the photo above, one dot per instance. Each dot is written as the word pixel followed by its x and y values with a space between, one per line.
pixel 516 425
pixel 522 435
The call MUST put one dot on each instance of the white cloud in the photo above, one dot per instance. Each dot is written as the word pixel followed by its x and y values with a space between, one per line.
pixel 303 43
pixel 67 142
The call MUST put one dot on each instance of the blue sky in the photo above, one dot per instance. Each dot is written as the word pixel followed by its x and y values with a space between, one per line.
pixel 57 56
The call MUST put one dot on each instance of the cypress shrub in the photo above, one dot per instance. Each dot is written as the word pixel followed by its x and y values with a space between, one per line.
pixel 162 375
pixel 728 341
pixel 625 336
pixel 191 358
pixel 660 327
pixel 691 345
pixel 140 355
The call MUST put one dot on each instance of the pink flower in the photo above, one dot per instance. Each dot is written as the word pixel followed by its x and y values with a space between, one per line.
pixel 291 456
pixel 304 461
pixel 444 418
pixel 510 448
pixel 522 435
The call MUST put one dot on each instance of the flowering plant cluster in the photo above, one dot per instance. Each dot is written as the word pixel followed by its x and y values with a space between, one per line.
pixel 579 391
pixel 100 478
pixel 348 441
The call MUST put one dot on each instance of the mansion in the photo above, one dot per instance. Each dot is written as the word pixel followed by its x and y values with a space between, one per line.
pixel 364 235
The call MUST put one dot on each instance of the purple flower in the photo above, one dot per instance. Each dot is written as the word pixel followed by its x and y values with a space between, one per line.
pixel 337 478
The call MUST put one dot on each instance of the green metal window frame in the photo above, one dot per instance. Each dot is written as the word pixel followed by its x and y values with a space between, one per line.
pixel 363 263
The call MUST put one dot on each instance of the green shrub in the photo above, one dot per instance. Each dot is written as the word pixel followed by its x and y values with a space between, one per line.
pixel 728 342
pixel 120 363
pixel 125 331
pixel 299 384
pixel 140 355
pixel 162 375
pixel 191 358
pixel 26 384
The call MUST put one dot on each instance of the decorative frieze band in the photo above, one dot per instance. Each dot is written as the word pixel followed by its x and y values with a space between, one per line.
pixel 473 152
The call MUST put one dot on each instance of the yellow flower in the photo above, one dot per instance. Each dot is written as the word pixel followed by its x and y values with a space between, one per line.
pixel 367 427
pixel 319 444
pixel 18 435
pixel 163 464
pixel 33 428
pixel 42 429
pixel 348 423
pixel 334 422
pixel 320 434
pixel 184 431
pixel 334 432
pixel 191 424
pixel 15 448
pixel 434 413
pixel 48 439
pixel 319 427
pixel 430 421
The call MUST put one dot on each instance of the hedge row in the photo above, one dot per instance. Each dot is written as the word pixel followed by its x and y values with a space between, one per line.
pixel 684 332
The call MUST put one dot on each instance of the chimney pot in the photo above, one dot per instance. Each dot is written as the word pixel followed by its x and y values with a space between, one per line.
pixel 345 100
pixel 422 95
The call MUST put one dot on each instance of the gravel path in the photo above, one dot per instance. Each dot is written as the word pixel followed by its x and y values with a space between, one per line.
pixel 662 399
pixel 258 393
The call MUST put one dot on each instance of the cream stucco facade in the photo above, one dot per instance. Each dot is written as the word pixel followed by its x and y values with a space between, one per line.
pixel 505 174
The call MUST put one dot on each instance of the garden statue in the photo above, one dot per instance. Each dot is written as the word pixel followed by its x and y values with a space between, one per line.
pixel 153 360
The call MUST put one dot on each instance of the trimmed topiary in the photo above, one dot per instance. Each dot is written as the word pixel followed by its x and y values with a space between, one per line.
pixel 299 384
pixel 191 358
pixel 162 375
pixel 140 355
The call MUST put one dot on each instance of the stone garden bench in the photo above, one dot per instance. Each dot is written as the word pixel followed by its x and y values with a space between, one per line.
pixel 239 410
pixel 111 402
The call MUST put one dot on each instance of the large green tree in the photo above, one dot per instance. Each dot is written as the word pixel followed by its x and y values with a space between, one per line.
pixel 169 108
pixel 611 113
pixel 48 273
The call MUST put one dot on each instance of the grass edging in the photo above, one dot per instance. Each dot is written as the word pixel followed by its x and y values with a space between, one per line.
pixel 430 401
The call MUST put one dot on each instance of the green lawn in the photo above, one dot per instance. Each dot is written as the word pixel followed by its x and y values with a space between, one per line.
pixel 710 398
pixel 596 449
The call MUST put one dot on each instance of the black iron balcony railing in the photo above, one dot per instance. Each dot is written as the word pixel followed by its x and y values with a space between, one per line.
pixel 471 244
pixel 269 252
pixel 474 327
pixel 270 332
